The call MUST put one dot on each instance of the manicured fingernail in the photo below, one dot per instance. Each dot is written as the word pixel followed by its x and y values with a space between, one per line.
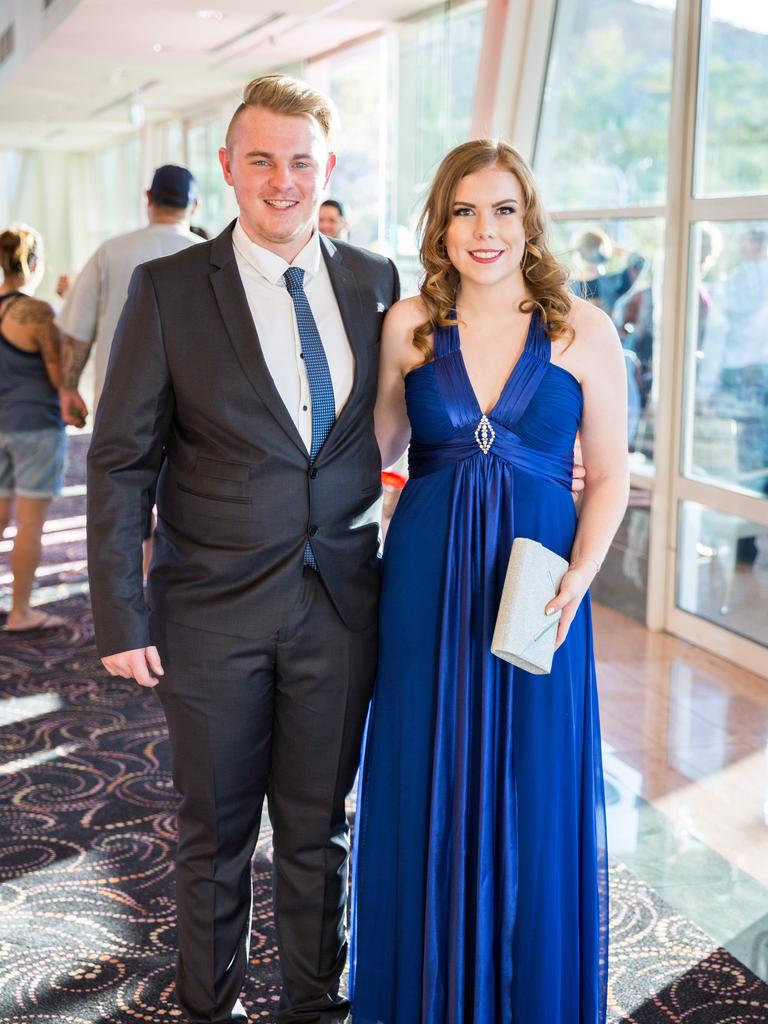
pixel 550 611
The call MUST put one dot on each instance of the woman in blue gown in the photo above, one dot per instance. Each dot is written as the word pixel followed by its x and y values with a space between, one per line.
pixel 480 890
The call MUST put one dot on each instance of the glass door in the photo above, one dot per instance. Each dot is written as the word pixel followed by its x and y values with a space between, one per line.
pixel 718 593
pixel 601 157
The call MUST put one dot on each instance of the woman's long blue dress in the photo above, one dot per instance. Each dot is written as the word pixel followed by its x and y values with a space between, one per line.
pixel 480 889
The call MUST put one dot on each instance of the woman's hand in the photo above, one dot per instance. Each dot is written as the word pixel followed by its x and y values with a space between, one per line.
pixel 574 586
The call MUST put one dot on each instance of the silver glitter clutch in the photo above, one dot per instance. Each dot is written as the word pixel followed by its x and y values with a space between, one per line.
pixel 524 635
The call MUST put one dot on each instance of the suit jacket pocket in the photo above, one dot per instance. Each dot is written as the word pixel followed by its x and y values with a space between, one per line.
pixel 221 470
pixel 193 503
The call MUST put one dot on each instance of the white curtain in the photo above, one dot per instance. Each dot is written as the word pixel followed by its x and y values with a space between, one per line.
pixel 49 191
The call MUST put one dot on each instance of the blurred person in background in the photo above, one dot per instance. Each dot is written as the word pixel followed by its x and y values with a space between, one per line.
pixel 332 221
pixel 744 373
pixel 32 438
pixel 710 318
pixel 602 271
pixel 609 277
pixel 743 387
pixel 96 298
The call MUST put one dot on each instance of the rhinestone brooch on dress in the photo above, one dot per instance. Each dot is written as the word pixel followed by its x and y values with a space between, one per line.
pixel 485 435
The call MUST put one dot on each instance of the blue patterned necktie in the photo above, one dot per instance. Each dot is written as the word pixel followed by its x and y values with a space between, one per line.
pixel 318 373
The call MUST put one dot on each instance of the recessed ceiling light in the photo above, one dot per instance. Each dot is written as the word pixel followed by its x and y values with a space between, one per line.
pixel 210 14
pixel 158 47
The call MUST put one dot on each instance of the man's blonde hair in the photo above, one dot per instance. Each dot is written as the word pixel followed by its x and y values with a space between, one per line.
pixel 285 95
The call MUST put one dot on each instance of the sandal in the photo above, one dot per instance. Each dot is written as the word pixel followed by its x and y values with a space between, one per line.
pixel 47 621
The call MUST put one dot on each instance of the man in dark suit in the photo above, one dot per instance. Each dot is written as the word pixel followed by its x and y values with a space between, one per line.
pixel 243 372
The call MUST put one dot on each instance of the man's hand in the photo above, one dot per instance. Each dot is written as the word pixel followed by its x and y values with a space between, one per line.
pixel 73 408
pixel 142 664
pixel 579 472
pixel 577 484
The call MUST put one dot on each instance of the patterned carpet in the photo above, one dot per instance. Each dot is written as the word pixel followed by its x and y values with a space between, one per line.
pixel 86 889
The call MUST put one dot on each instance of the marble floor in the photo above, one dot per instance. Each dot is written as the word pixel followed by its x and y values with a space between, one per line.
pixel 686 759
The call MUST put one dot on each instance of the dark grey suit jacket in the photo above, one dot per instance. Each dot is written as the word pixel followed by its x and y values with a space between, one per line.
pixel 188 396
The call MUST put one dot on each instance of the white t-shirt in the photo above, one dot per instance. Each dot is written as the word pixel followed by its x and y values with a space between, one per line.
pixel 96 299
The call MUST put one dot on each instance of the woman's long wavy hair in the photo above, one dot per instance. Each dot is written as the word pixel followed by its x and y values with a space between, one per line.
pixel 545 278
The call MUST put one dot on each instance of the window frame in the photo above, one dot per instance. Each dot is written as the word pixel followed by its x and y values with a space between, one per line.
pixel 517 116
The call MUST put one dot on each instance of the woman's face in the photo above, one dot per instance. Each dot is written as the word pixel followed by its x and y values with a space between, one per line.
pixel 485 238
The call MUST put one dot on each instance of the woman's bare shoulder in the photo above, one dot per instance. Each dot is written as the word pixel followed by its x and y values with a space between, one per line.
pixel 397 334
pixel 595 344
pixel 586 318
pixel 28 310
pixel 594 337
pixel 406 314
pixel 593 330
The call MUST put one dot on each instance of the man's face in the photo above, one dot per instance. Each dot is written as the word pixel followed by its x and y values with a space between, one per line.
pixel 754 245
pixel 278 165
pixel 332 223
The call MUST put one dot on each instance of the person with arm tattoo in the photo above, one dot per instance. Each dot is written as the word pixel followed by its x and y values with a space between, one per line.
pixel 73 357
pixel 32 438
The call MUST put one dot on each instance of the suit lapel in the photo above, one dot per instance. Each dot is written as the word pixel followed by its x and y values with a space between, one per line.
pixel 347 293
pixel 233 306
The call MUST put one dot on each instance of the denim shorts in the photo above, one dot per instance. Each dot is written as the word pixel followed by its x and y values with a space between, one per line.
pixel 32 463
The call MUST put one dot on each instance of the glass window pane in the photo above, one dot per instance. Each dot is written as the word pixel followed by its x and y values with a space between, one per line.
pixel 203 143
pixel 172 142
pixel 722 570
pixel 603 129
pixel 11 163
pixel 618 265
pixel 622 583
pixel 353 80
pixel 437 59
pixel 726 423
pixel 732 134
pixel 115 179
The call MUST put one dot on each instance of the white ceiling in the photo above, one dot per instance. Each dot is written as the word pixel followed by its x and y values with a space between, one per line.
pixel 71 84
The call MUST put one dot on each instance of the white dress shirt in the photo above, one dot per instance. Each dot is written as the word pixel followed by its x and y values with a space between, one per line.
pixel 274 317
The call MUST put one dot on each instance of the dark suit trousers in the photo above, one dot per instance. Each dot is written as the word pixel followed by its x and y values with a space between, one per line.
pixel 281 717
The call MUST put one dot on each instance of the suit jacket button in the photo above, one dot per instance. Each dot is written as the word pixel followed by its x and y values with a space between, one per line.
pixel 313 474
pixel 312 531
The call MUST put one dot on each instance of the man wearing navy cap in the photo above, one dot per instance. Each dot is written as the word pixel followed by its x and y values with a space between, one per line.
pixel 96 299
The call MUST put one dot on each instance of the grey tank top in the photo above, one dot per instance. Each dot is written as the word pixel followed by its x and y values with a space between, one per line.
pixel 28 400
